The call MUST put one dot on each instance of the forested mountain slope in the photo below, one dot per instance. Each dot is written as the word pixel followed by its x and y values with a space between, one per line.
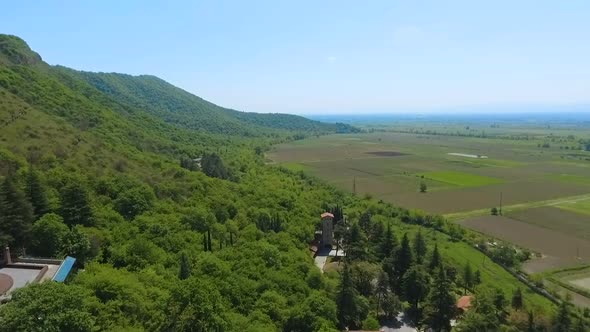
pixel 183 109
pixel 146 94
pixel 101 167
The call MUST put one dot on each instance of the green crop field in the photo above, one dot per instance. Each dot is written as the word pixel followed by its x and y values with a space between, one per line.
pixel 461 178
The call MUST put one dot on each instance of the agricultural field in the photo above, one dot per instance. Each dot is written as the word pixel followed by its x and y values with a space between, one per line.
pixel 558 249
pixel 556 219
pixel 390 166
pixel 575 280
pixel 461 178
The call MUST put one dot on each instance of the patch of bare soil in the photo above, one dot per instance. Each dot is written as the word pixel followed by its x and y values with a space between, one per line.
pixel 387 153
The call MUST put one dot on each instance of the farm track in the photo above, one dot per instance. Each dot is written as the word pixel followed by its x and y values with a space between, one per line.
pixel 521 206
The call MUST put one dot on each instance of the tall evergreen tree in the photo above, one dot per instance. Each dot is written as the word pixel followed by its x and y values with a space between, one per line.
pixel 440 303
pixel 185 267
pixel 388 243
pixel 403 260
pixel 36 194
pixel 75 205
pixel 477 278
pixel 531 327
pixel 209 240
pixel 382 289
pixel 517 301
pixel 562 321
pixel 350 311
pixel 467 277
pixel 415 285
pixel 365 222
pixel 355 243
pixel 435 260
pixel 388 266
pixel 419 247
pixel 499 302
pixel 16 215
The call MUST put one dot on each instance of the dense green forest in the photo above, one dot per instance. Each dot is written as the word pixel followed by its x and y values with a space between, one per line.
pixel 104 167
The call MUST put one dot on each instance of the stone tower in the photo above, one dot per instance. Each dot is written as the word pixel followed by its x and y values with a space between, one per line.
pixel 327 229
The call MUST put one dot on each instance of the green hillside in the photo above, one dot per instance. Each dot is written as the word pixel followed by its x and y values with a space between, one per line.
pixel 176 106
pixel 102 167
pixel 129 95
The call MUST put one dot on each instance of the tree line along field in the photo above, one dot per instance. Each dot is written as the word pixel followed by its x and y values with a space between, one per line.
pixel 519 170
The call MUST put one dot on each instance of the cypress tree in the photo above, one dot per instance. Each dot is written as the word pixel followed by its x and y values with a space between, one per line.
pixel 531 326
pixel 365 222
pixel 355 243
pixel 517 302
pixel 477 278
pixel 185 267
pixel 403 260
pixel 209 240
pixel 467 277
pixel 388 243
pixel 35 193
pixel 349 310
pixel 435 260
pixel 382 289
pixel 419 247
pixel 16 215
pixel 562 320
pixel 415 285
pixel 440 306
pixel 499 302
pixel 75 206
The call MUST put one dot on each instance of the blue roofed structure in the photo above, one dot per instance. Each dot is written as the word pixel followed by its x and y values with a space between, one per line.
pixel 64 269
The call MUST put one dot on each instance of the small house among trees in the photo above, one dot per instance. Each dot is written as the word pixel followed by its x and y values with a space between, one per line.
pixel 463 304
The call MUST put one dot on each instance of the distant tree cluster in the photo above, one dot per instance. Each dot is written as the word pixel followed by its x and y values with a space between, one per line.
pixel 213 166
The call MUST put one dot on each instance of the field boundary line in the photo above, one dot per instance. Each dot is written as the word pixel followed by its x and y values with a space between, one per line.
pixel 456 216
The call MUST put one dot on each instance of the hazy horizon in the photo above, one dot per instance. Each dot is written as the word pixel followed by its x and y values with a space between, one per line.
pixel 332 57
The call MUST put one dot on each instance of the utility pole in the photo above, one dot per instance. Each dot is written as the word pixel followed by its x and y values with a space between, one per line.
pixel 500 203
pixel 354 185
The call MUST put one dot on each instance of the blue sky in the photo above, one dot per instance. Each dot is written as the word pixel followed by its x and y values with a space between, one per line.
pixel 327 56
